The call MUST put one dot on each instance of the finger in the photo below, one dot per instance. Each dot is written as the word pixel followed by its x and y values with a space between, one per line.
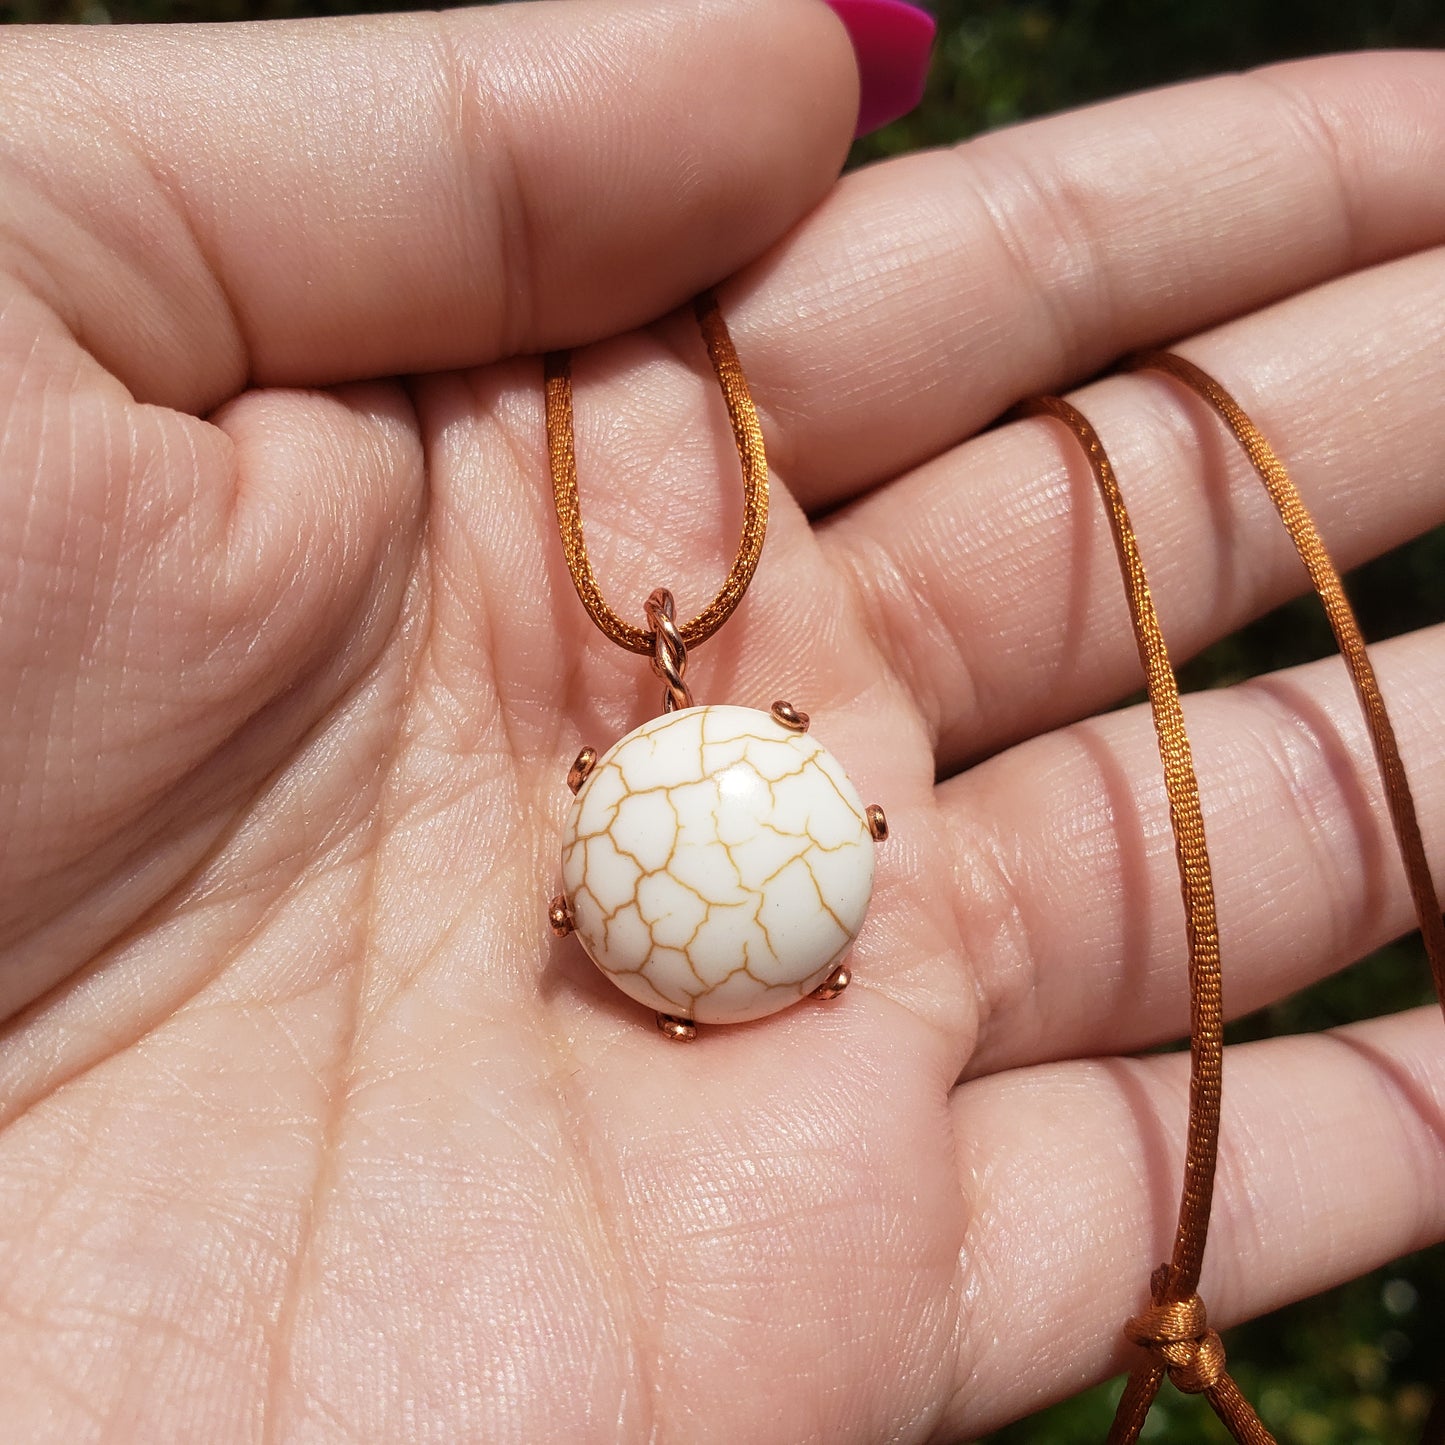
pixel 1332 1161
pixel 313 202
pixel 1002 548
pixel 927 295
pixel 1080 949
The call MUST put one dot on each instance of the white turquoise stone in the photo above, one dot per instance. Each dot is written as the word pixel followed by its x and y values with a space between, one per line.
pixel 717 864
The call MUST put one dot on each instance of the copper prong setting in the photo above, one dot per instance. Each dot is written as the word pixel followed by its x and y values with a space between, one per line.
pixel 559 916
pixel 789 716
pixel 835 983
pixel 877 822
pixel 679 1030
pixel 581 769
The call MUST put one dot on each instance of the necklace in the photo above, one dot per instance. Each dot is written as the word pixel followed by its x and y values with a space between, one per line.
pixel 716 861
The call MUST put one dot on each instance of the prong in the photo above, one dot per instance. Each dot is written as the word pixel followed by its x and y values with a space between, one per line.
pixel 559 915
pixel 679 1030
pixel 835 983
pixel 877 822
pixel 790 717
pixel 581 769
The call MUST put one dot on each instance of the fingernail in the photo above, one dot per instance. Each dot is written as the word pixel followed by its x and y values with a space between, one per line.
pixel 892 40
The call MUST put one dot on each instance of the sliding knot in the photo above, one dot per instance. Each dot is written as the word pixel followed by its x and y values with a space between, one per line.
pixel 1177 1334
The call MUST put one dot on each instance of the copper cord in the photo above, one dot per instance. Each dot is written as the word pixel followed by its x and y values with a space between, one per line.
pixel 1174 1332
pixel 748 437
pixel 1326 581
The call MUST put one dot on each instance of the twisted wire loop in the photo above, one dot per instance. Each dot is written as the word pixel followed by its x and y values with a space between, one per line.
pixel 669 651
pixel 1175 1284
pixel 747 437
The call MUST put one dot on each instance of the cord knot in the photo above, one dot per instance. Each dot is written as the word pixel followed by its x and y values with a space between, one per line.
pixel 1177 1334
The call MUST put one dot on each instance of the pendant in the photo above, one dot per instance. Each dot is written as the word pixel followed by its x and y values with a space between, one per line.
pixel 716 861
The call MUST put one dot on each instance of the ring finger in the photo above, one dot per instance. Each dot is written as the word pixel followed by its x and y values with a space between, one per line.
pixel 1080 949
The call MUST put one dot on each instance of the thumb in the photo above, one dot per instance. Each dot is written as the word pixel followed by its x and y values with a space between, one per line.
pixel 312 202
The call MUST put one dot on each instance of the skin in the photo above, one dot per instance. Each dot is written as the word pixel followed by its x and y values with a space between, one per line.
pixel 310 1130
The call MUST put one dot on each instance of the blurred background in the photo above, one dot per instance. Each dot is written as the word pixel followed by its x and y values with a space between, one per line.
pixel 1358 1365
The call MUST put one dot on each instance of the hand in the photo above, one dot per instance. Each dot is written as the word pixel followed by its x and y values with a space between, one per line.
pixel 311 1131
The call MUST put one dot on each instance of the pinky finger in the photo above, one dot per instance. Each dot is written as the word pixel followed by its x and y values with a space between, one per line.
pixel 1332 1161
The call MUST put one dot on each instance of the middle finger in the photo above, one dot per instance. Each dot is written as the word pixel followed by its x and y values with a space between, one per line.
pixel 990 574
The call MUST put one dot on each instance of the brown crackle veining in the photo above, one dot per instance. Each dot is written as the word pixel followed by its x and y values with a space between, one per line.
pixel 717 863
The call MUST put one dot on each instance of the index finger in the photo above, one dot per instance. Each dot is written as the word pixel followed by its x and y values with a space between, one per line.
pixel 927 295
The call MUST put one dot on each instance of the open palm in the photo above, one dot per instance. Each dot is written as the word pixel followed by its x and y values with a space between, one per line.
pixel 311 1131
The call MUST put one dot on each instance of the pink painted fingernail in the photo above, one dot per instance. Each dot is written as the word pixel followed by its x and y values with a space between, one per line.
pixel 892 40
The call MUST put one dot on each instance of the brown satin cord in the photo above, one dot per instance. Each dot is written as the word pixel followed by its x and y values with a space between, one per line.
pixel 748 437
pixel 1326 580
pixel 1174 1332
